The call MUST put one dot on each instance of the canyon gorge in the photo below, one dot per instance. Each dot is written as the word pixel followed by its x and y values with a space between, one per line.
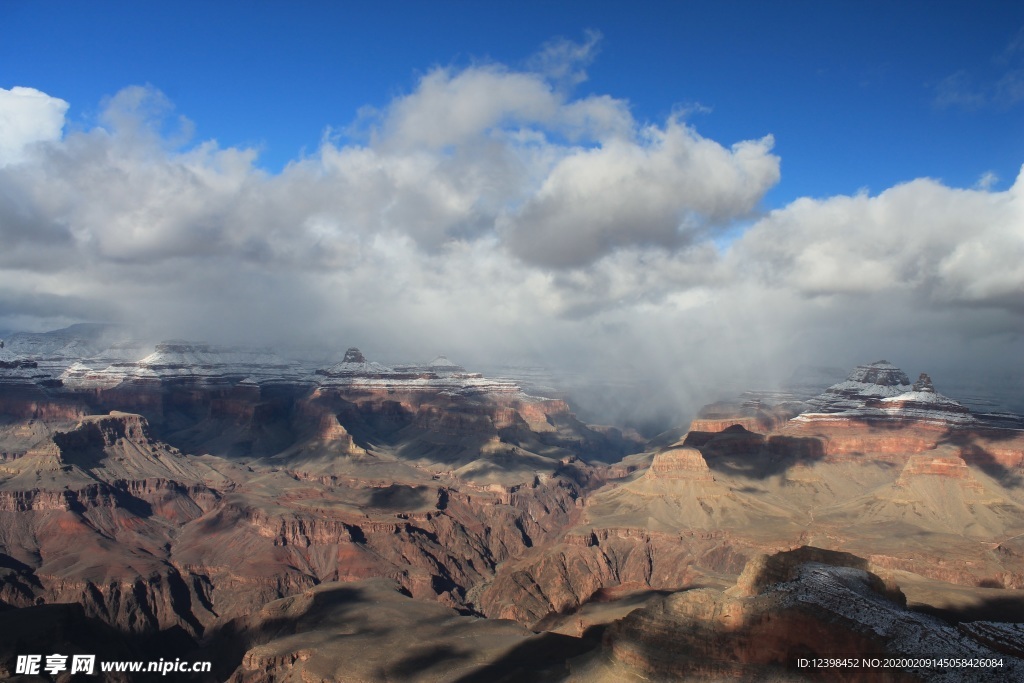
pixel 352 520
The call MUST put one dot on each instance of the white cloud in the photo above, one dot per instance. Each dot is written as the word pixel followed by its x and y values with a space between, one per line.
pixel 492 215
pixel 987 268
pixel 27 116
pixel 945 245
pixel 666 188
pixel 450 108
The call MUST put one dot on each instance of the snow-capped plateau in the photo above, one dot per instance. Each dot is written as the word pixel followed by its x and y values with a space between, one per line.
pixel 881 391
pixel 440 375
pixel 181 360
pixel 184 361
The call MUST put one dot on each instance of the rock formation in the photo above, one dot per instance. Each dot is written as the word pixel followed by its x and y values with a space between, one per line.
pixel 258 506
pixel 802 605
pixel 916 484
pixel 239 479
pixel 679 463
pixel 877 380
pixel 881 391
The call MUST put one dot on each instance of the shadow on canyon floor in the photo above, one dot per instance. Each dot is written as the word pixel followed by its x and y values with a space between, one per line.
pixel 1005 609
pixel 738 452
pixel 400 497
pixel 735 451
pixel 421 658
pixel 983 459
pixel 64 628
pixel 227 646
pixel 543 658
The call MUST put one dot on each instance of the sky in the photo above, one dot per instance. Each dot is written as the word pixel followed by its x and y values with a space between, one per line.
pixel 693 193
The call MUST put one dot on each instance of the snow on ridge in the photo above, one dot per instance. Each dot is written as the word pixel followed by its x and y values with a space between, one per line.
pixel 174 356
pixel 180 359
pixel 873 381
pixel 868 388
pixel 921 397
pixel 880 390
pixel 441 375
pixel 879 373
pixel 365 368
pixel 8 356
pixel 16 369
pixel 899 414
pixel 128 361
pixel 452 384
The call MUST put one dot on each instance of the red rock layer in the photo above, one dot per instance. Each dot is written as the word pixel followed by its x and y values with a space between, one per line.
pixel 679 464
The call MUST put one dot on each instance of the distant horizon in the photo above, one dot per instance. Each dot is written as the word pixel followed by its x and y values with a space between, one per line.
pixel 623 398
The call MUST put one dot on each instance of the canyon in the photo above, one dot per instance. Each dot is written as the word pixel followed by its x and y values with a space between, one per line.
pixel 295 520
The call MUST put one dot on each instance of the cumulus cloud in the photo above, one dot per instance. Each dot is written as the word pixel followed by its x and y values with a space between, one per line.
pixel 945 245
pixel 492 215
pixel 27 116
pixel 665 189
pixel 450 108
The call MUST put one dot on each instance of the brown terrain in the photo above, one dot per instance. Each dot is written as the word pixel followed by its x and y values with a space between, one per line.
pixel 364 523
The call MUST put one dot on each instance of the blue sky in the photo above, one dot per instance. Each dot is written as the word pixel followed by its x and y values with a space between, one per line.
pixel 856 94
pixel 708 189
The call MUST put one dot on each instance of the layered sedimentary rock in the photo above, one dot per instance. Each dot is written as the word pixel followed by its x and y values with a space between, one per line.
pixel 663 528
pixel 679 463
pixel 880 379
pixel 923 403
pixel 276 482
pixel 801 605
pixel 234 537
pixel 877 411
pixel 880 391
pixel 917 484
pixel 25 389
pixel 1000 637
pixel 182 360
pixel 258 390
pixel 753 415
pixel 186 490
pixel 54 351
pixel 87 516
